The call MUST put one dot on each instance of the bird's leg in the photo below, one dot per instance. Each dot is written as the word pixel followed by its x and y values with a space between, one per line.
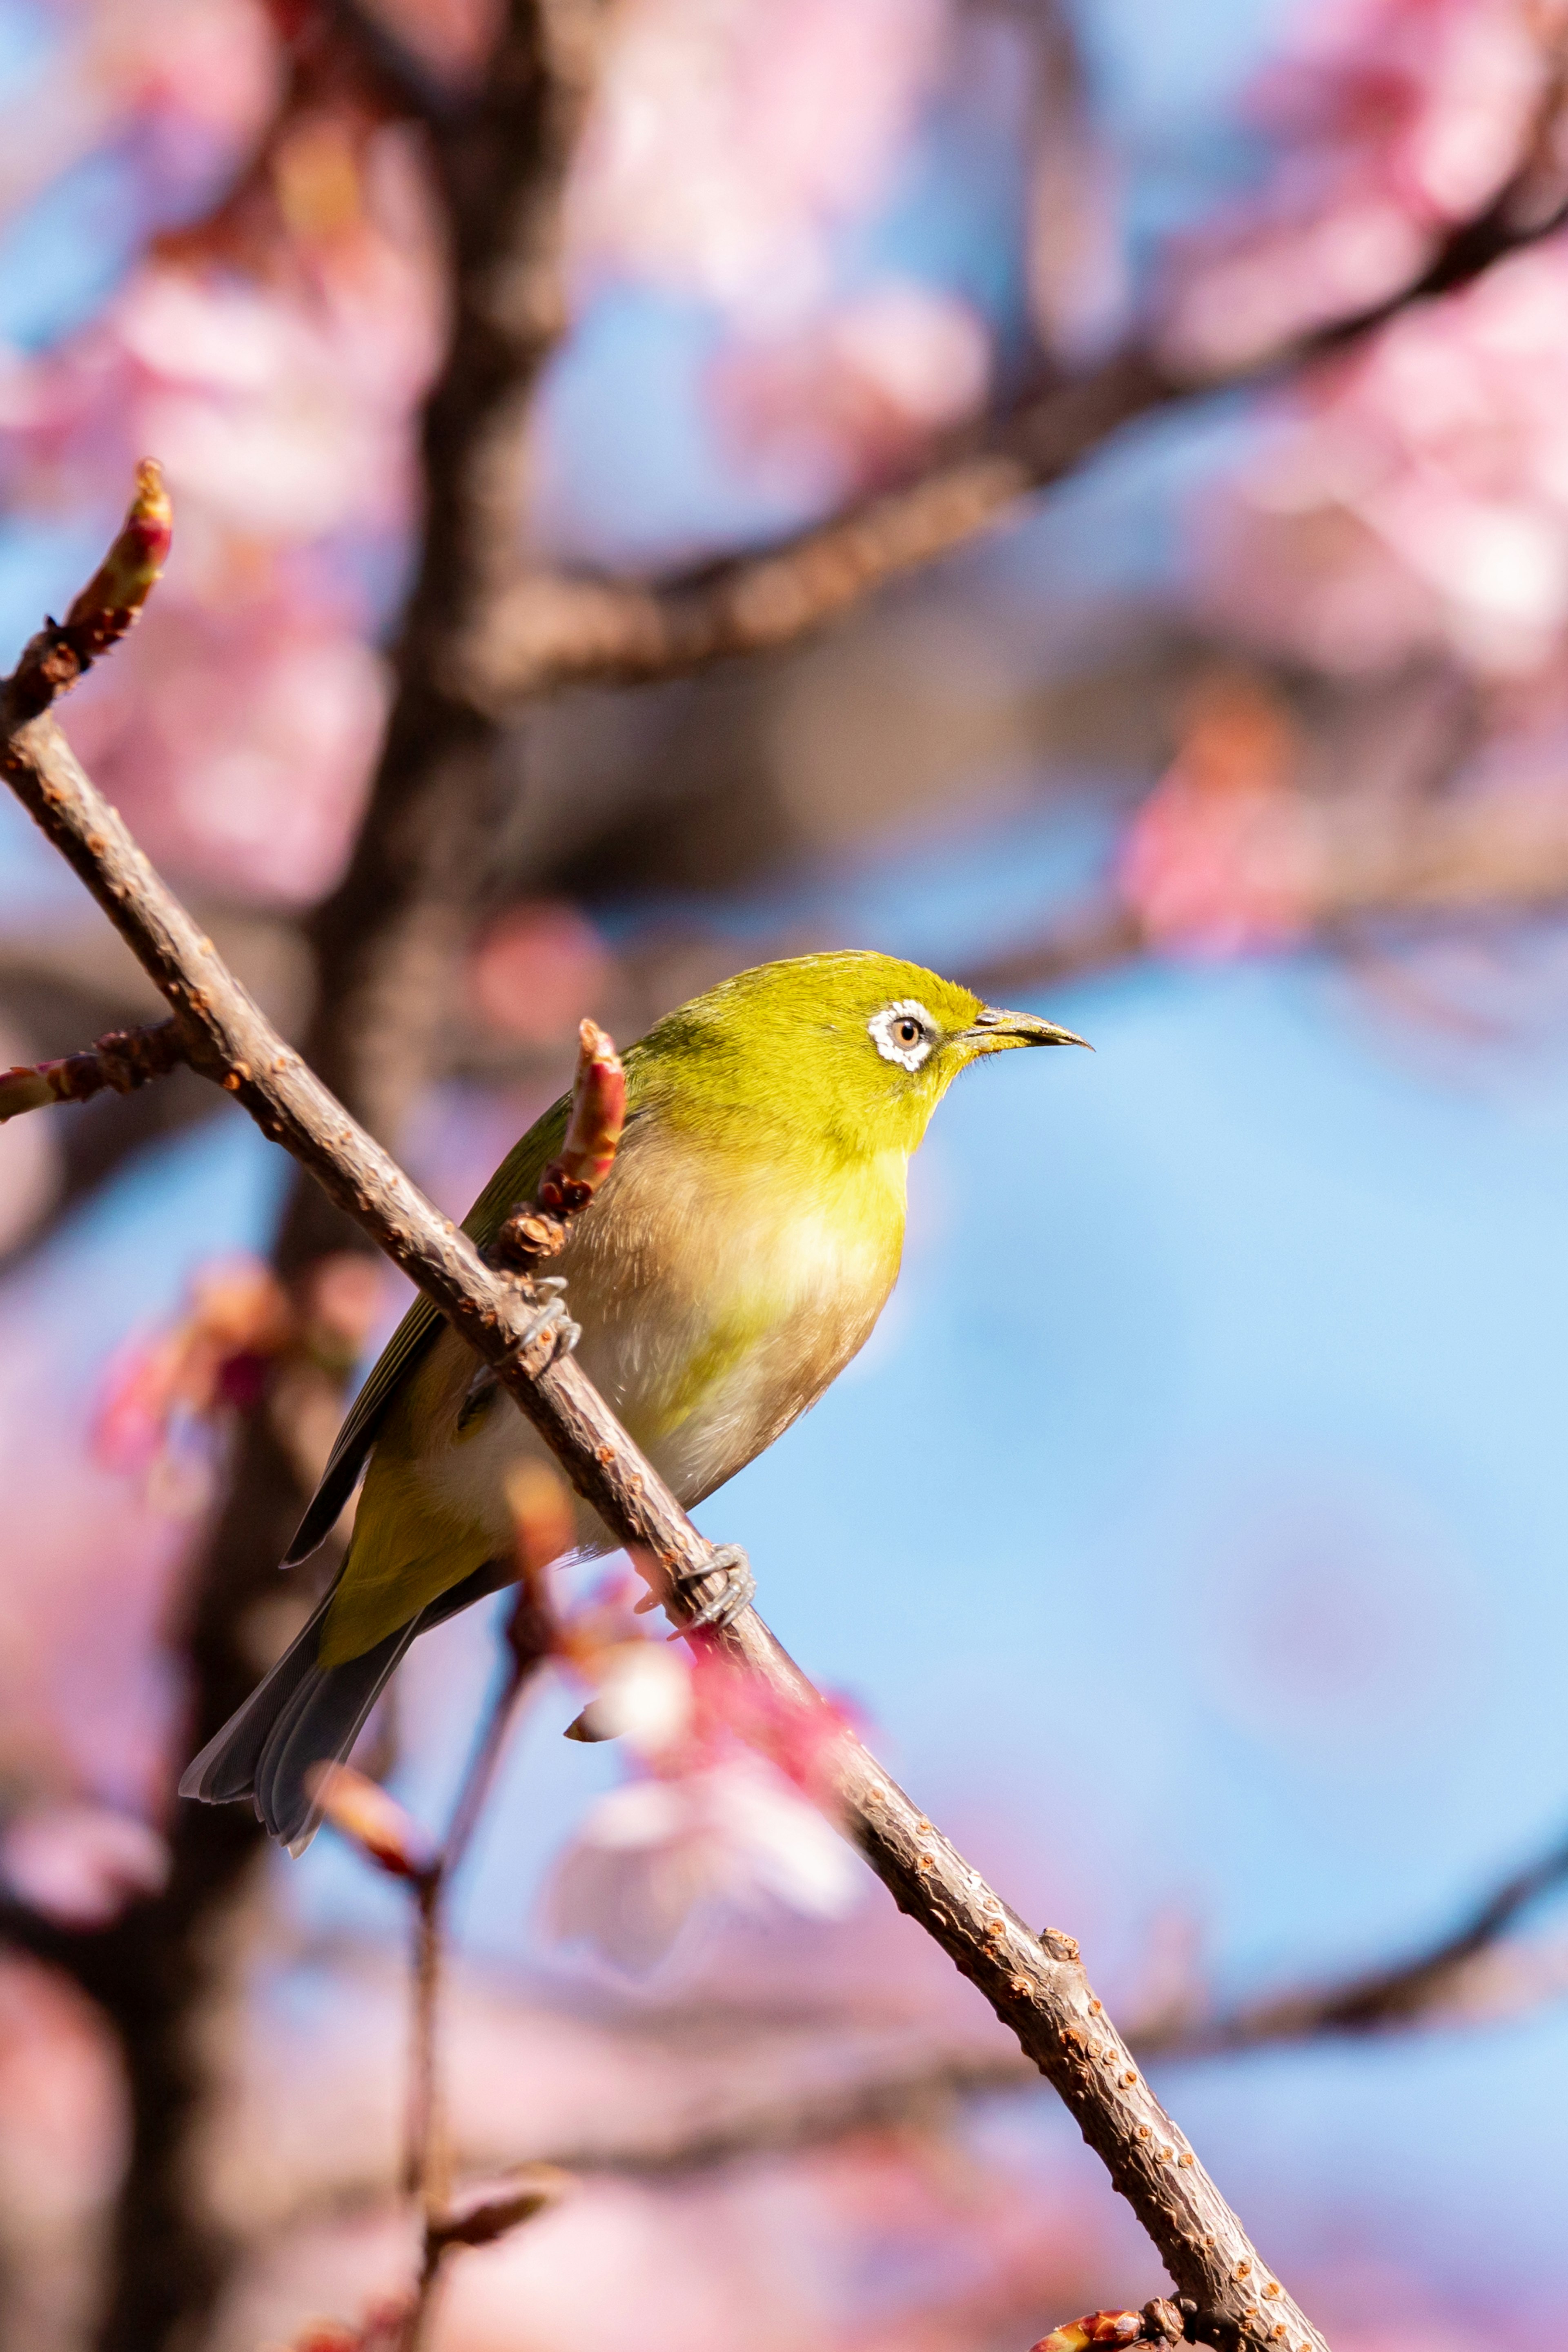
pixel 736 1590
pixel 551 1310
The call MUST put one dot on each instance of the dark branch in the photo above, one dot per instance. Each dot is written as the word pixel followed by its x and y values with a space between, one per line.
pixel 553 630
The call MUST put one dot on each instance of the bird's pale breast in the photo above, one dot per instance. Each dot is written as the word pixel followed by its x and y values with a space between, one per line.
pixel 717 1299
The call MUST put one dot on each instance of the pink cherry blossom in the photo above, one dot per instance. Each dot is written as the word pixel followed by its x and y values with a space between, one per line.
pixel 81 1864
pixel 654 1853
pixel 1223 855
pixel 1392 118
pixel 848 399
pixel 731 136
pixel 1414 499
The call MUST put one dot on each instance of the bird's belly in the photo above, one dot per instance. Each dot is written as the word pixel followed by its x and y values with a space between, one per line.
pixel 703 1374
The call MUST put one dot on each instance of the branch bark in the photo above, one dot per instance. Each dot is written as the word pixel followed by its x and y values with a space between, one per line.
pixel 553 630
pixel 1036 1983
pixel 124 1060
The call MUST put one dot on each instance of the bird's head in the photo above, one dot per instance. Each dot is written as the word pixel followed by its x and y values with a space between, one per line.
pixel 852 1049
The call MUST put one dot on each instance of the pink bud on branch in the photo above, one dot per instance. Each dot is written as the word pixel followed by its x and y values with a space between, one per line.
pixel 484 2215
pixel 112 600
pixel 1159 2322
pixel 594 1129
pixel 124 1059
pixel 376 1822
pixel 1096 2328
pixel 115 595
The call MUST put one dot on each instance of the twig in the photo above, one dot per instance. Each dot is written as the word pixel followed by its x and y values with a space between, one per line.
pixel 553 630
pixel 427 2168
pixel 391 1839
pixel 1379 2000
pixel 1036 1983
pixel 123 1059
pixel 1104 2331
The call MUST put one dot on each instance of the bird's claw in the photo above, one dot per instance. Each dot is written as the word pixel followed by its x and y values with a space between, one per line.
pixel 551 1310
pixel 737 1591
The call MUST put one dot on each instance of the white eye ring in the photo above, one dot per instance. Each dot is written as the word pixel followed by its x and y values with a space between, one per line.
pixel 882 1026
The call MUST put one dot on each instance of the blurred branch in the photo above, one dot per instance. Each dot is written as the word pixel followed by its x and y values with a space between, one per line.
pixel 1432 1989
pixel 427 2165
pixel 402 78
pixel 386 938
pixel 1419 866
pixel 124 1060
pixel 1379 2000
pixel 1036 1983
pixel 549 630
pixel 389 1838
pixel 382 946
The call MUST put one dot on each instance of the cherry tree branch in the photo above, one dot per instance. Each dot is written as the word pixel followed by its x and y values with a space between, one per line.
pixel 392 1840
pixel 551 630
pixel 123 1059
pixel 1375 2001
pixel 1035 1982
pixel 1433 1987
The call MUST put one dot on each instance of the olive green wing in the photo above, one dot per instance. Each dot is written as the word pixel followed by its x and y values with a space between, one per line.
pixel 515 1179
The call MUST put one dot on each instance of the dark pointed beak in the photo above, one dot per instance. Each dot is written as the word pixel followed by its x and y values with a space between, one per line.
pixel 993 1031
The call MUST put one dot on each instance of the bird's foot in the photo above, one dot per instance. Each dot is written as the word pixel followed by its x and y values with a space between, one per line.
pixel 552 1310
pixel 728 1567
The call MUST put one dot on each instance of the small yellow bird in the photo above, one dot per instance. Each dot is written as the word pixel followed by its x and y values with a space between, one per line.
pixel 736 1257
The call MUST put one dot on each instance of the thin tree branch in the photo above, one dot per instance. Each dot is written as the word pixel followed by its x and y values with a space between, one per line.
pixel 1379 2000
pixel 428 2167
pixel 552 630
pixel 1036 1983
pixel 1388 2000
pixel 1105 2331
pixel 122 1060
pixel 392 1840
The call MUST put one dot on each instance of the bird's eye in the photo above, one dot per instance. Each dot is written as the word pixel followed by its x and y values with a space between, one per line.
pixel 903 1033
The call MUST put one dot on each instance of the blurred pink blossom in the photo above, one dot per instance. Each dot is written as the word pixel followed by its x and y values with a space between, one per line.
pixel 850 398
pixel 537 970
pixel 1222 855
pixel 238 726
pixel 688 1711
pixel 651 1854
pixel 1414 499
pixel 732 136
pixel 211 1360
pixel 180 87
pixel 1395 118
pixel 644 1695
pixel 81 1864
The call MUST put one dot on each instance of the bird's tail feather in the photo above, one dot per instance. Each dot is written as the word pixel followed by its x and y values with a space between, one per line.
pixel 304 1713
